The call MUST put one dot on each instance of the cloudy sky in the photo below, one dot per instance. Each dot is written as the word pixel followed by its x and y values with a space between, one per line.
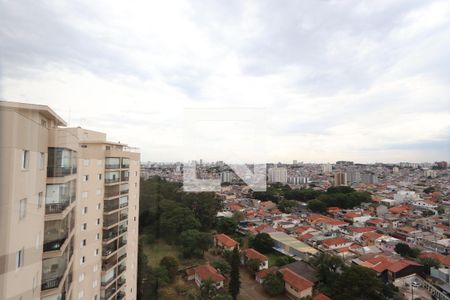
pixel 316 81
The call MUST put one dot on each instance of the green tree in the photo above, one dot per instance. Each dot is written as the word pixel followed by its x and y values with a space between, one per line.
pixel 262 242
pixel 287 206
pixel 238 216
pixel 327 267
pixel 406 251
pixel 357 282
pixel 283 260
pixel 226 225
pixel 273 284
pixel 253 265
pixel 222 266
pixel 144 287
pixel 171 264
pixel 317 206
pixel 176 219
pixel 194 242
pixel 429 262
pixel 235 283
pixel 204 207
pixel 208 289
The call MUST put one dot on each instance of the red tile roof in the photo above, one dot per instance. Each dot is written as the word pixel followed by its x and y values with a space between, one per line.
pixel 206 271
pixel 335 241
pixel 251 253
pixel 362 229
pixel 226 240
pixel 295 280
pixel 321 297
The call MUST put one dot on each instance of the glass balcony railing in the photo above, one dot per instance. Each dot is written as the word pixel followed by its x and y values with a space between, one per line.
pixel 120 295
pixel 61 162
pixel 112 177
pixel 56 233
pixel 111 205
pixel 110 220
pixel 112 163
pixel 110 234
pixel 59 196
pixel 108 250
pixel 53 270
pixel 125 163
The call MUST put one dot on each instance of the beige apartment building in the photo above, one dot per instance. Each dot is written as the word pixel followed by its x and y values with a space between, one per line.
pixel 69 207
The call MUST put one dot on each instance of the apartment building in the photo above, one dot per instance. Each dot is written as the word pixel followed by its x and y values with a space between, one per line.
pixel 278 174
pixel 69 203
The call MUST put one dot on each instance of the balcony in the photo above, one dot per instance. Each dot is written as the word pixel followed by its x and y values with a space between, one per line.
pixel 59 196
pixel 108 250
pixel 110 220
pixel 111 205
pixel 53 270
pixel 123 215
pixel 121 269
pixel 112 163
pixel 125 163
pixel 112 191
pixel 122 241
pixel 56 232
pixel 112 177
pixel 109 277
pixel 109 234
pixel 120 295
pixel 61 162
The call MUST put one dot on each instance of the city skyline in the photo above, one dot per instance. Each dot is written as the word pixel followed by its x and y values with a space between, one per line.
pixel 369 87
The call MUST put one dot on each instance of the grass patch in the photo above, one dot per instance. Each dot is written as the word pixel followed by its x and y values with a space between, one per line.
pixel 157 250
pixel 273 256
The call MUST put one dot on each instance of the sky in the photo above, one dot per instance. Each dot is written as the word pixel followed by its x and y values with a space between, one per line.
pixel 314 81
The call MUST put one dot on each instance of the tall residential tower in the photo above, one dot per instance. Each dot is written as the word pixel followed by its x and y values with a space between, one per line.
pixel 69 207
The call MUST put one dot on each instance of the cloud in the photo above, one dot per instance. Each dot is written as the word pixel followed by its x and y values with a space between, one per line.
pixel 359 80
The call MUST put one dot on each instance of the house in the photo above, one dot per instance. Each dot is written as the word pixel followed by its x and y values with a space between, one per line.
pixel 224 242
pixel 442 259
pixel 205 272
pixel 295 285
pixel 326 223
pixel 369 238
pixel 250 253
pixel 303 269
pixel 407 231
pixel 261 275
pixel 335 243
pixel 357 232
pixel 321 296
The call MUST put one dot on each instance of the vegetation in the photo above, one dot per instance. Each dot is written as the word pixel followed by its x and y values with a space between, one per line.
pixel 253 265
pixel 171 264
pixel 429 263
pixel 226 225
pixel 208 289
pixel 222 266
pixel 406 251
pixel 287 206
pixel 349 282
pixel 262 242
pixel 273 284
pixel 194 243
pixel 235 283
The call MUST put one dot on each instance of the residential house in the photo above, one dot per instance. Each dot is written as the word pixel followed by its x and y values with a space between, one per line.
pixel 335 243
pixel 224 242
pixel 205 272
pixel 296 286
pixel 251 253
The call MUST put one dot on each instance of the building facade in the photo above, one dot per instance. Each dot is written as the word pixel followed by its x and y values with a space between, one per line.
pixel 69 210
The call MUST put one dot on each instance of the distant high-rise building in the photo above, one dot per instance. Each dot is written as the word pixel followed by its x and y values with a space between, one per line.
pixel 395 170
pixel 278 174
pixel 69 208
pixel 340 179
pixel 294 162
pixel 226 177
pixel 369 178
pixel 354 176
pixel 327 168
pixel 441 164
pixel 297 180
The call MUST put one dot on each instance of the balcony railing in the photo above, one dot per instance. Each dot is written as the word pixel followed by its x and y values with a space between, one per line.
pixel 109 235
pixel 51 283
pixel 109 250
pixel 122 269
pixel 111 205
pixel 54 245
pixel 120 295
pixel 61 171
pixel 112 180
pixel 56 208
pixel 122 243
pixel 112 166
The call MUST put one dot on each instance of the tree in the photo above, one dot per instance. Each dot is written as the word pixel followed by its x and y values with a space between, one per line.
pixel 238 216
pixel 204 206
pixel 273 284
pixel 222 266
pixel 253 265
pixel 226 225
pixel 208 289
pixel 406 251
pixel 327 267
pixel 283 260
pixel 317 206
pixel 194 242
pixel 144 288
pixel 287 206
pixel 429 262
pixel 176 219
pixel 262 242
pixel 171 264
pixel 235 282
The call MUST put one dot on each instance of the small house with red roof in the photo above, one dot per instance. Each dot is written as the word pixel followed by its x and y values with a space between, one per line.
pixel 335 243
pixel 224 242
pixel 205 272
pixel 295 285
pixel 251 253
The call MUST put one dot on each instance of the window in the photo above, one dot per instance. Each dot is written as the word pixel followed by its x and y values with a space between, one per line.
pixel 82 260
pixel 95 268
pixel 96 252
pixel 135 173
pixel 22 208
pixel 81 277
pixel 43 123
pixel 97 237
pixel 84 211
pixel 25 159
pixel 83 146
pixel 20 257
pixel 95 297
pixel 99 206
pixel 99 176
pixel 98 221
pixel 85 178
pixel 41 161
pixel 84 195
pixel 81 294
pixel 84 226
pixel 83 243
pixel 39 198
pixel 94 284
pixel 99 192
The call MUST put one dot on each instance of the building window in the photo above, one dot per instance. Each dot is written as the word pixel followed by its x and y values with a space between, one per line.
pixel 94 284
pixel 97 237
pixel 84 226
pixel 83 243
pixel 85 178
pixel 96 252
pixel 20 257
pixel 41 161
pixel 81 294
pixel 22 208
pixel 82 260
pixel 25 159
pixel 84 211
pixel 44 123
pixel 98 221
pixel 83 146
pixel 95 268
pixel 40 197
pixel 81 277
pixel 99 206
pixel 99 176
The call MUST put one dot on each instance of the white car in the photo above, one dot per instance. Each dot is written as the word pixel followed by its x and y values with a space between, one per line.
pixel 415 284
